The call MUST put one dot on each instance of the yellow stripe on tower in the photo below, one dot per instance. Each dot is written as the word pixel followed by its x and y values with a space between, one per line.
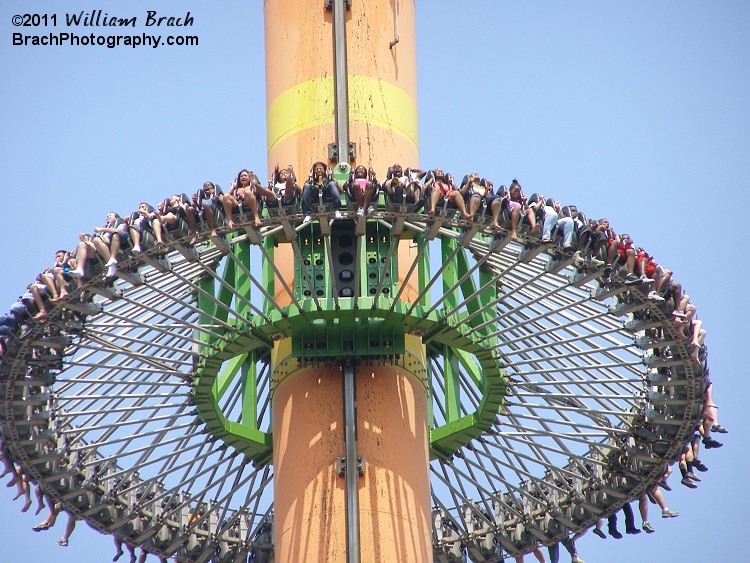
pixel 311 104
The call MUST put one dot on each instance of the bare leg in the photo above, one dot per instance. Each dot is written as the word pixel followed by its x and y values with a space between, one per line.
pixel 612 252
pixel 69 527
pixel 434 198
pixel 61 285
pixel 53 512
pixel 495 210
pixel 18 481
pixel 414 192
pixel 630 260
pixel 114 246
pixel 192 225
pixel 389 189
pixel 460 204
pixel 156 225
pixel 643 507
pixel 661 279
pixel 710 410
pixel 515 217
pixel 367 196
pixel 659 496
pixel 699 336
pixel 39 303
pixel 135 236
pixel 358 194
pixel 474 204
pixel 9 469
pixel 79 261
pixel 24 490
pixel 101 248
pixel 49 281
pixel 39 499
pixel 51 518
pixel 252 203
pixel 676 289
pixel 118 547
pixel 531 216
pixel 229 204
pixel 211 218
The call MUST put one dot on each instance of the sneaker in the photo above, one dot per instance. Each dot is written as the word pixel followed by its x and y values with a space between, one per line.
pixel 337 214
pixel 360 212
pixel 577 559
pixel 688 483
pixel 41 527
pixel 545 239
pixel 651 497
pixel 77 273
pixel 111 262
pixel 632 279
pixel 668 513
pixel 693 476
pixel 632 531
pixel 579 259
pixel 709 443
pixel 307 219
pixel 700 466
pixel 607 269
pixel 646 279
pixel 370 210
pixel 615 534
pixel 595 262
pixel 111 270
pixel 719 428
pixel 664 485
pixel 678 314
pixel 655 296
pixel 648 528
pixel 599 533
pixel 62 542
pixel 136 250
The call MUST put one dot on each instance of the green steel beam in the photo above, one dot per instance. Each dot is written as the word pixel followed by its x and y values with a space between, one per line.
pixel 250 392
pixel 452 384
pixel 268 278
pixel 225 294
pixel 423 268
pixel 206 287
pixel 242 283
pixel 468 288
pixel 371 329
pixel 225 377
pixel 450 362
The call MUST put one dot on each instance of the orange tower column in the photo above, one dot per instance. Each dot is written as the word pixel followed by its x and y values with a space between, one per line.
pixel 382 83
pixel 308 429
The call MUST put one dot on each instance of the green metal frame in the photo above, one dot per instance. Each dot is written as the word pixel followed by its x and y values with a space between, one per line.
pixel 478 361
pixel 369 330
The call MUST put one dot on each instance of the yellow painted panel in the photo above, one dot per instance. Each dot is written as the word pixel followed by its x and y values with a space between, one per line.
pixel 311 104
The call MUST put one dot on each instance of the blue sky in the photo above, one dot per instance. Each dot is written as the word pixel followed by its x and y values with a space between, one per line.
pixel 636 111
